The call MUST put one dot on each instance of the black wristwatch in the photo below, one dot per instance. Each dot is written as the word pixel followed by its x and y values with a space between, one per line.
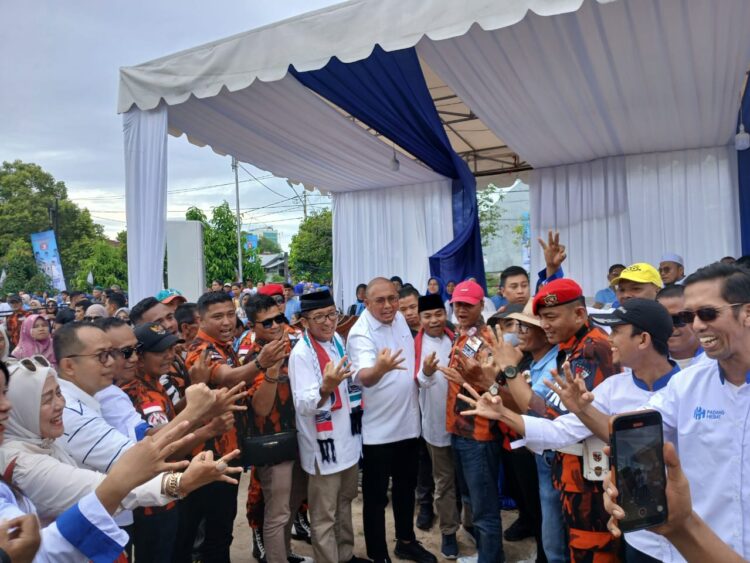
pixel 257 365
pixel 510 372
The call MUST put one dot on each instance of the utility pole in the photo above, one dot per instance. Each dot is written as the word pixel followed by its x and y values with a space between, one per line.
pixel 239 219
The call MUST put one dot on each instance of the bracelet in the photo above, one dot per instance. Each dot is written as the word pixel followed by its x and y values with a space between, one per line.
pixel 257 365
pixel 172 485
pixel 270 379
pixel 4 557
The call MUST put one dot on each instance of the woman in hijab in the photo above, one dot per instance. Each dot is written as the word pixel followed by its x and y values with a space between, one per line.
pixel 86 530
pixel 35 339
pixel 44 470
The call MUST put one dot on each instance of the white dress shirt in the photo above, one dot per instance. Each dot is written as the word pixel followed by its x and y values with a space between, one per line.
pixel 305 381
pixel 617 394
pixel 708 420
pixel 118 410
pixel 433 392
pixel 391 406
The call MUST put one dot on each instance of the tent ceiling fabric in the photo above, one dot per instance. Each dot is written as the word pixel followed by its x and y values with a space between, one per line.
pixel 268 122
pixel 347 31
pixel 629 77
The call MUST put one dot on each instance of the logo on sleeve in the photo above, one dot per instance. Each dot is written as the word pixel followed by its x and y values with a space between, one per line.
pixel 711 414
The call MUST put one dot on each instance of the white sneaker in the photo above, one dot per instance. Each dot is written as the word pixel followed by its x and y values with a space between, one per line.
pixel 468 559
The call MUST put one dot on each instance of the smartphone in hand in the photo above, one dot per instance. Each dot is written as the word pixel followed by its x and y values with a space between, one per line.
pixel 637 463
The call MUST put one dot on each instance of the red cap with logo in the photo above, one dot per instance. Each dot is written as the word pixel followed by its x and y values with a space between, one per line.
pixel 271 289
pixel 557 292
pixel 467 292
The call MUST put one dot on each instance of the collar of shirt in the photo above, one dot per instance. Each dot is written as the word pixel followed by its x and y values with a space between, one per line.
pixel 660 383
pixel 572 343
pixel 73 392
pixel 698 352
pixel 223 347
pixel 544 360
pixel 375 324
pixel 722 375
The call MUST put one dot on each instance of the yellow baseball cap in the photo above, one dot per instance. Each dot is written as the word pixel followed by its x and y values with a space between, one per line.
pixel 640 272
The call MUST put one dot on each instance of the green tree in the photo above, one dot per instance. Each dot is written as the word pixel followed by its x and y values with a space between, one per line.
pixel 268 246
pixel 311 250
pixel 107 263
pixel 220 246
pixel 21 270
pixel 490 213
pixel 31 200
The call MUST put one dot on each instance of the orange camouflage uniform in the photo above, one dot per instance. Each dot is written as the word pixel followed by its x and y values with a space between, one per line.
pixel 590 356
pixel 220 353
pixel 155 407
pixel 13 327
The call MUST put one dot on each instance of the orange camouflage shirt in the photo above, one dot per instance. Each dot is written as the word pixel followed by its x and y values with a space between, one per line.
pixel 473 427
pixel 281 417
pixel 220 353
pixel 155 407
pixel 13 325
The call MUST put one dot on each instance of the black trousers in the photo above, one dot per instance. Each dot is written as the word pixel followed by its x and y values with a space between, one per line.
pixel 154 535
pixel 216 503
pixel 396 461
pixel 521 475
pixel 425 481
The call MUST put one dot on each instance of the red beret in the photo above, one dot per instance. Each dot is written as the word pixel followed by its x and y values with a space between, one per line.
pixel 271 289
pixel 557 292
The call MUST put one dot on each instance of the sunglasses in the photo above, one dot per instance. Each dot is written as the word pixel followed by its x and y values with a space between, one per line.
pixel 102 356
pixel 705 314
pixel 127 352
pixel 268 323
pixel 33 362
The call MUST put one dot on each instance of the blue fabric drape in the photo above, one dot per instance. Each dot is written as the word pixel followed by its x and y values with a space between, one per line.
pixel 743 165
pixel 387 91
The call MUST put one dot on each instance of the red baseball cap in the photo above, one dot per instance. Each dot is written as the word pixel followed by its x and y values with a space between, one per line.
pixel 557 292
pixel 467 292
pixel 271 289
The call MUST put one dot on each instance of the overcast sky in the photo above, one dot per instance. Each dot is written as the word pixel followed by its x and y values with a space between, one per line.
pixel 59 65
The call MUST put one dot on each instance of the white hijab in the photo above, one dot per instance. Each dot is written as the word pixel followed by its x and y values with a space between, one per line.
pixel 22 430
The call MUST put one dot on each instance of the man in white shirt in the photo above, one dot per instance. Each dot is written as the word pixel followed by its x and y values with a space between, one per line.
pixel 704 407
pixel 640 330
pixel 328 413
pixel 684 347
pixel 433 345
pixel 381 350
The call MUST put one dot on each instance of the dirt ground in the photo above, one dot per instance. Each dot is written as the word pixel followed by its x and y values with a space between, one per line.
pixel 242 546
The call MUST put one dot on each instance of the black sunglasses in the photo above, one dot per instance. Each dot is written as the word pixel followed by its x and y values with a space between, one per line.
pixel 706 314
pixel 128 351
pixel 678 321
pixel 268 323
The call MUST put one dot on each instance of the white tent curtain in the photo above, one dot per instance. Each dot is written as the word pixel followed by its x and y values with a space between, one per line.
pixel 145 134
pixel 388 232
pixel 635 208
pixel 629 77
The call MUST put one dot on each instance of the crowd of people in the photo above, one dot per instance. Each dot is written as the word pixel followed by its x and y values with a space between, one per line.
pixel 125 428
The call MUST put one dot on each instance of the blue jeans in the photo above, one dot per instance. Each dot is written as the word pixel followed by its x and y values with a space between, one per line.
pixel 477 465
pixel 553 529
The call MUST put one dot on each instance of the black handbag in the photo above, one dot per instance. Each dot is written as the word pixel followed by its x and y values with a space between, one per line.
pixel 269 449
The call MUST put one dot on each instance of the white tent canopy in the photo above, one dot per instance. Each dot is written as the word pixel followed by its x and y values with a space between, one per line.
pixel 582 83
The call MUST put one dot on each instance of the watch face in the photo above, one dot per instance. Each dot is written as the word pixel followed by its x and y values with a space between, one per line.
pixel 493 390
pixel 510 372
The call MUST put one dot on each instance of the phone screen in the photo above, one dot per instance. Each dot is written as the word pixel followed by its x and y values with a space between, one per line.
pixel 638 449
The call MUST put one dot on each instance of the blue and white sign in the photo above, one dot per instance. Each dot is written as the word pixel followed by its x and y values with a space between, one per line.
pixel 48 258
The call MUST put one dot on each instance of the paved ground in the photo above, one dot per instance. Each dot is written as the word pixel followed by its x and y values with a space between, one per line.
pixel 242 549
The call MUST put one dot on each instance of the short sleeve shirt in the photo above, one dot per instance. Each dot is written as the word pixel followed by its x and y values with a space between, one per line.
pixel 220 353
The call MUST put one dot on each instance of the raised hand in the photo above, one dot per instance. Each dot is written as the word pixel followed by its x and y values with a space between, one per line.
pixel 571 390
pixel 227 398
pixel 504 354
pixel 486 405
pixel 204 470
pixel 200 400
pixel 334 374
pixel 200 371
pixel 452 375
pixel 554 252
pixel 20 538
pixel 430 364
pixel 272 353
pixel 387 362
pixel 479 370
pixel 221 424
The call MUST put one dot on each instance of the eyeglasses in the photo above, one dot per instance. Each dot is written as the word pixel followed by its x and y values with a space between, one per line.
pixel 390 299
pixel 268 323
pixel 523 329
pixel 706 314
pixel 678 321
pixel 320 319
pixel 33 362
pixel 101 356
pixel 126 352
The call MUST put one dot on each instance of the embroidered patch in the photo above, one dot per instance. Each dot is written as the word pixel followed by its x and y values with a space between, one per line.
pixel 550 300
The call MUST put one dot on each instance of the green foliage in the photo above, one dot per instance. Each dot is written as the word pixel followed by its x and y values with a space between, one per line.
pixel 29 200
pixel 220 246
pixel 22 272
pixel 490 214
pixel 108 264
pixel 268 246
pixel 311 250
